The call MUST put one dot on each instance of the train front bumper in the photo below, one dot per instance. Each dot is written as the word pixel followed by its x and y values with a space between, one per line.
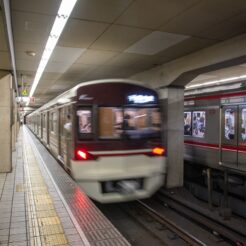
pixel 94 176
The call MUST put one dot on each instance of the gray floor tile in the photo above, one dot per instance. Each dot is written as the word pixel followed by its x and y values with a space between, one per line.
pixel 24 243
pixel 18 224
pixel 4 238
pixel 18 219
pixel 17 230
pixel 4 232
pixel 18 237
pixel 4 225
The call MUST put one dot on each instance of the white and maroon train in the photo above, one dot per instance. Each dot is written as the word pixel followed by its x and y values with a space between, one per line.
pixel 107 134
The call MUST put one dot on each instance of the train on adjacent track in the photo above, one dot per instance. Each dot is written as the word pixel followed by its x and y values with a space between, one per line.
pixel 215 138
pixel 107 135
pixel 215 130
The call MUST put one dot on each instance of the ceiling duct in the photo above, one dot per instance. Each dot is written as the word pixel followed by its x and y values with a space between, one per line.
pixel 7 18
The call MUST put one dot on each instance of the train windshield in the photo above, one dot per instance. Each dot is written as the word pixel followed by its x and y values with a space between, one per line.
pixel 84 121
pixel 129 123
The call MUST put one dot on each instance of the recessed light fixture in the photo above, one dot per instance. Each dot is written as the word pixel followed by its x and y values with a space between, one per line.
pixel 61 19
pixel 30 53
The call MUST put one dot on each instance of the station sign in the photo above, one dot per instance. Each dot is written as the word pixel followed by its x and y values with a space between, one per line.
pixel 232 100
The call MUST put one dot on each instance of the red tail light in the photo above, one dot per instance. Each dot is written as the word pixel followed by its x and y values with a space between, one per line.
pixel 158 151
pixel 83 155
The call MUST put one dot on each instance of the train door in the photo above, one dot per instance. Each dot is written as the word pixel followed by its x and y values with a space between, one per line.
pixel 242 137
pixel 62 141
pixel 65 134
pixel 59 130
pixel 229 136
pixel 48 128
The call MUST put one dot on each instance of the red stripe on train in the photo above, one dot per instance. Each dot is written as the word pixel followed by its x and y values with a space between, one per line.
pixel 217 96
pixel 123 154
pixel 216 146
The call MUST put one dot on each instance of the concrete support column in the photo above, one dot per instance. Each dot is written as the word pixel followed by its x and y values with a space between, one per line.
pixel 14 121
pixel 172 101
pixel 5 123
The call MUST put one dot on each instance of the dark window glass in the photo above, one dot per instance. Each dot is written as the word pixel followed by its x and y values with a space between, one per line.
pixel 198 124
pixel 243 130
pixel 85 124
pixel 187 124
pixel 230 124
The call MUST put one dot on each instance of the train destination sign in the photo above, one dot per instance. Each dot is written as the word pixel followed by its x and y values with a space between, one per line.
pixel 137 98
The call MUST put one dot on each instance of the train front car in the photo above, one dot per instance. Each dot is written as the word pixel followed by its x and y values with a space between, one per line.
pixel 118 155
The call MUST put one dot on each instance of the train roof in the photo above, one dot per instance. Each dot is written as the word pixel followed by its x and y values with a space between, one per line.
pixel 67 96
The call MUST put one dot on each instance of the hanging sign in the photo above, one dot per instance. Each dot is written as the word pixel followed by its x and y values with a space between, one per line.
pixel 24 92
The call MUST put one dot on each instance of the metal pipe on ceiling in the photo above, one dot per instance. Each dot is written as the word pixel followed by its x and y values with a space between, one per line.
pixel 6 10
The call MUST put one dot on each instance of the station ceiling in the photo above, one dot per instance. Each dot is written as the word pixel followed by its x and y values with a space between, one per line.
pixel 114 38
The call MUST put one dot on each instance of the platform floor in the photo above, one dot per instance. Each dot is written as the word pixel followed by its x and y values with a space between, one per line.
pixel 41 205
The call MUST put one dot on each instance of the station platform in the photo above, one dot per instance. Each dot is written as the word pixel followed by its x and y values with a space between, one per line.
pixel 40 204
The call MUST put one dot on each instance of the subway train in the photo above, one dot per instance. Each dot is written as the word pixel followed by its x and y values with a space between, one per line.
pixel 215 138
pixel 107 135
pixel 215 130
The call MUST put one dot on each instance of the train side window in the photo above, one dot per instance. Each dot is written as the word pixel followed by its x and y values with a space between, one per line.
pixel 53 122
pixel 44 121
pixel 62 121
pixel 198 124
pixel 229 124
pixel 187 124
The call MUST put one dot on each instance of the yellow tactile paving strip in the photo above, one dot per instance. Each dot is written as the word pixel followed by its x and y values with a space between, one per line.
pixel 44 225
pixel 82 222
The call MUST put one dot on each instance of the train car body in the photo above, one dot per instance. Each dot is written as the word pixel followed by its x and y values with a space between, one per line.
pixel 215 130
pixel 107 135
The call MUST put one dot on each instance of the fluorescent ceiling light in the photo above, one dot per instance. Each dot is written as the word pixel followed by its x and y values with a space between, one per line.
pixel 156 42
pixel 213 89
pixel 63 14
pixel 214 82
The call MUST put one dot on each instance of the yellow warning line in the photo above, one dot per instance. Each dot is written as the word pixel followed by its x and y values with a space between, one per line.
pixel 44 225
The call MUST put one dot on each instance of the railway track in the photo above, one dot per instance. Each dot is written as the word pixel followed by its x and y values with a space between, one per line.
pixel 212 225
pixel 168 222
pixel 185 235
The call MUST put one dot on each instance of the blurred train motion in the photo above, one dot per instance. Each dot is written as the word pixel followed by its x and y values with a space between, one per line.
pixel 215 137
pixel 107 134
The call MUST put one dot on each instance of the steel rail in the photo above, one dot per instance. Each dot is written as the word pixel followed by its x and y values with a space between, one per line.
pixel 204 220
pixel 186 236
